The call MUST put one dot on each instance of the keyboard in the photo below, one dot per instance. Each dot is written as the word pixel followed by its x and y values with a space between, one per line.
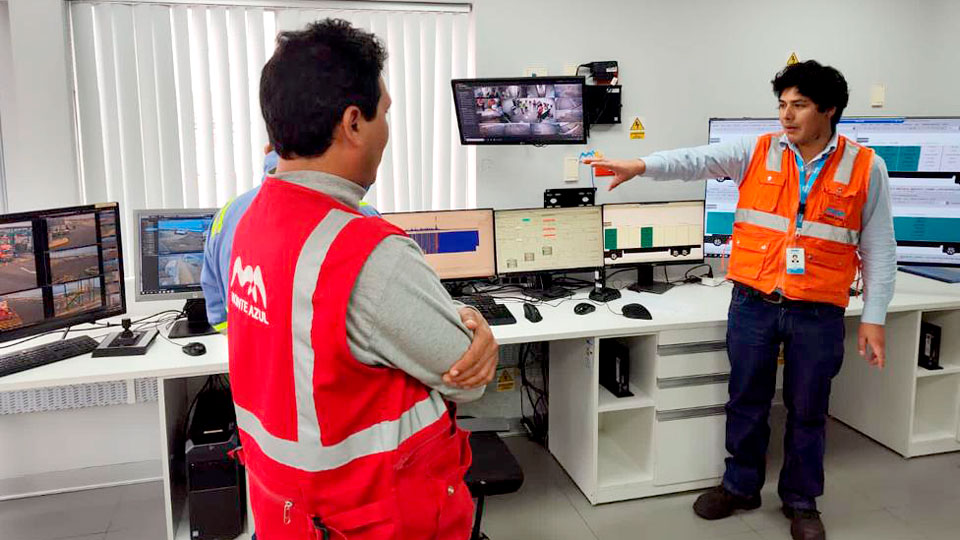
pixel 495 314
pixel 47 353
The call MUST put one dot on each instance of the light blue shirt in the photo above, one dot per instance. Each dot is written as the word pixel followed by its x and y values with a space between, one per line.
pixel 878 247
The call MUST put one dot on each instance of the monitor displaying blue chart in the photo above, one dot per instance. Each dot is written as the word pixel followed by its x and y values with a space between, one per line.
pixel 458 244
pixel 907 145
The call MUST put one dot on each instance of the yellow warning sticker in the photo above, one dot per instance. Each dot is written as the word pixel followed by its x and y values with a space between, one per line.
pixel 793 59
pixel 507 380
pixel 637 131
pixel 637 125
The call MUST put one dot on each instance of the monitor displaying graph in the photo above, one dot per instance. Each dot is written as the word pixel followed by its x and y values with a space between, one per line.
pixel 458 244
pixel 548 239
pixel 639 233
pixel 907 145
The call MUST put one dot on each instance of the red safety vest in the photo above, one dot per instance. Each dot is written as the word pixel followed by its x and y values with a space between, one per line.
pixel 765 222
pixel 333 448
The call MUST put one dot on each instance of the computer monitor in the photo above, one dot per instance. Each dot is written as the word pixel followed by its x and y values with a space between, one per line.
pixel 652 233
pixel 59 268
pixel 914 144
pixel 926 217
pixel 458 244
pixel 526 110
pixel 548 239
pixel 170 244
pixel 720 199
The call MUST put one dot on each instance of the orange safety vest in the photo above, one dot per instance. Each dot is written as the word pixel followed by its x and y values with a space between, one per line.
pixel 765 222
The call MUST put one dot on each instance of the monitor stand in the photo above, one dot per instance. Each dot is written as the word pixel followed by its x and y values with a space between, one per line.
pixel 645 282
pixel 544 289
pixel 196 323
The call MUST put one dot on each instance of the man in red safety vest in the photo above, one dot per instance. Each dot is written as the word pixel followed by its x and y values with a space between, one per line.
pixel 341 335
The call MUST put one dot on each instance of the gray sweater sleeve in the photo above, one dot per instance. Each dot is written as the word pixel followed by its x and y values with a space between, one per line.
pixel 401 317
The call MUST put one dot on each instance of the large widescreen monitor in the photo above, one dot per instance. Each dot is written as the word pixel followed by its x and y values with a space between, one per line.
pixel 458 244
pixel 907 145
pixel 59 268
pixel 170 249
pixel 652 233
pixel 528 110
pixel 926 217
pixel 548 239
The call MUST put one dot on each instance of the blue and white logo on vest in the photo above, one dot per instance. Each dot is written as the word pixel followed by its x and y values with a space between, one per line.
pixel 250 280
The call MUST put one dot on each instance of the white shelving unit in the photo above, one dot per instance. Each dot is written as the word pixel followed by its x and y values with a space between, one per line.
pixel 610 402
pixel 912 410
pixel 609 445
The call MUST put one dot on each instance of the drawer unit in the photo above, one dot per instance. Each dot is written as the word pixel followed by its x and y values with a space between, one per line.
pixel 692 359
pixel 693 335
pixel 689 445
pixel 691 392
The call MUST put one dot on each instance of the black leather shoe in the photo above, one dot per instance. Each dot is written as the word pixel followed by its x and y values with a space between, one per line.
pixel 719 503
pixel 805 524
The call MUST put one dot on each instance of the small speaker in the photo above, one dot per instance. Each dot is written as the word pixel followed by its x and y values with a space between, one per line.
pixel 216 491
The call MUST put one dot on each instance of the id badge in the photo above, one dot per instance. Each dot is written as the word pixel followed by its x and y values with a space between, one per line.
pixel 795 261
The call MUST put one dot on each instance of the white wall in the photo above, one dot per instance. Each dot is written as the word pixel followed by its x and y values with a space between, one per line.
pixel 684 61
pixel 681 62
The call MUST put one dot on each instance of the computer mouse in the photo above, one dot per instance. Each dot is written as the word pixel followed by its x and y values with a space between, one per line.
pixel 583 308
pixel 194 349
pixel 531 312
pixel 636 311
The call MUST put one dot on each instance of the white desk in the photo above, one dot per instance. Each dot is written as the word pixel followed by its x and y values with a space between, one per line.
pixel 669 437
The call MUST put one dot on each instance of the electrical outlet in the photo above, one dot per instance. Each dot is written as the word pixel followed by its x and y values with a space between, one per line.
pixel 571 169
pixel 878 94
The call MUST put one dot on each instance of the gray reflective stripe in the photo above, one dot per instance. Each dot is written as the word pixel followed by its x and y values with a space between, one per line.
pixel 382 437
pixel 823 231
pixel 774 154
pixel 305 276
pixel 845 168
pixel 307 451
pixel 763 219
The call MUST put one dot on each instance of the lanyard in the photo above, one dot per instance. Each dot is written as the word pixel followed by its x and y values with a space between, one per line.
pixel 806 183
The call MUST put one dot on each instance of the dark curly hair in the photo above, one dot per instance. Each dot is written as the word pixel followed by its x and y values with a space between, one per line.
pixel 311 79
pixel 823 85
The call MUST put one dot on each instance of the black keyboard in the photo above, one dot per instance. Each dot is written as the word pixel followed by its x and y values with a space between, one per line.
pixel 495 314
pixel 47 353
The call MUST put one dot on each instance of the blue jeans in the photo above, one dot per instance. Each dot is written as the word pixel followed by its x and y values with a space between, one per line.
pixel 812 337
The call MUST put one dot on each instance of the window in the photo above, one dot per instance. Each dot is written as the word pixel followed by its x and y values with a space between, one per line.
pixel 167 99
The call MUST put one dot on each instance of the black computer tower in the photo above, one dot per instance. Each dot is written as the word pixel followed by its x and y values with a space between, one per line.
pixel 615 367
pixel 216 492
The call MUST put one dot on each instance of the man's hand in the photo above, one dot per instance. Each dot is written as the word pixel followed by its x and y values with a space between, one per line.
pixel 478 365
pixel 623 169
pixel 873 335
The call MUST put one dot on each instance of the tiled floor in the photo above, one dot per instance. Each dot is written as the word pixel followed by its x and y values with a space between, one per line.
pixel 872 494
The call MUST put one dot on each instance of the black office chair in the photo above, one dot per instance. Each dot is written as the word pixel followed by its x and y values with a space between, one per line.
pixel 494 471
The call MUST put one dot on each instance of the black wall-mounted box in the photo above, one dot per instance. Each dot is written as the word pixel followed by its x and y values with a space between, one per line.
pixel 602 104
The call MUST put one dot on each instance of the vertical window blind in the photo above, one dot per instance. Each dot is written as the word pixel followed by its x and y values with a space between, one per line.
pixel 167 99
